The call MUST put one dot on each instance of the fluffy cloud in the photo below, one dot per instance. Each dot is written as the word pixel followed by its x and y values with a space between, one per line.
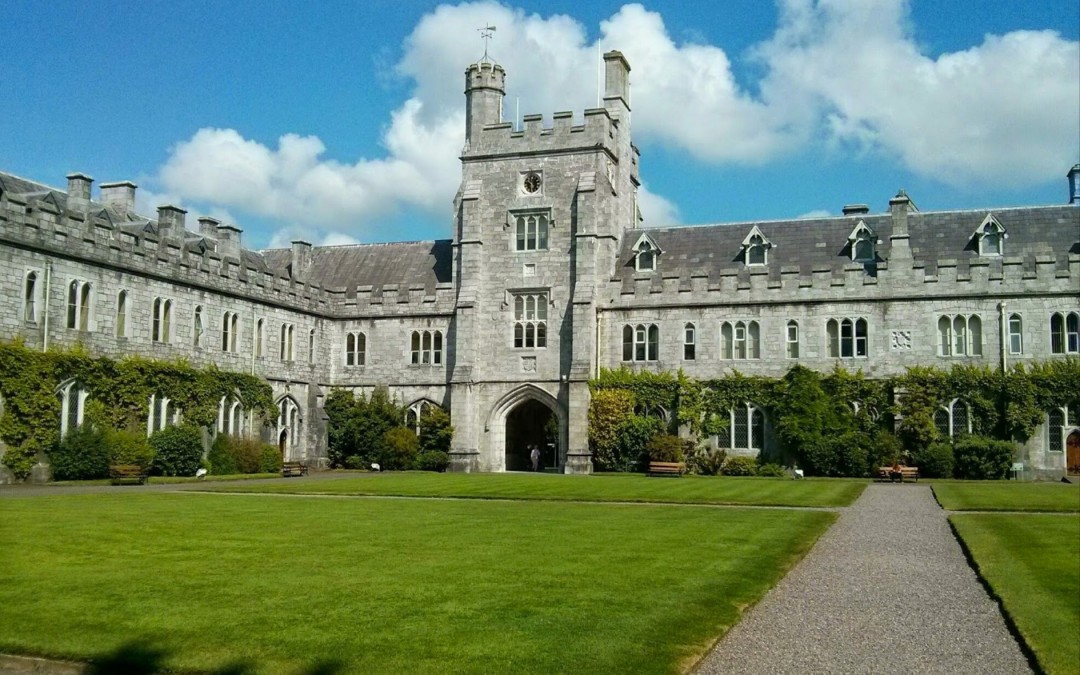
pixel 842 72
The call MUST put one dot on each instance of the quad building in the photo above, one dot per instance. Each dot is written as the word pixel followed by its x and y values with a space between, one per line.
pixel 549 276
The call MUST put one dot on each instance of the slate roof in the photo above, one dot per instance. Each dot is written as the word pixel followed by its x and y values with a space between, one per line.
pixel 822 243
pixel 407 264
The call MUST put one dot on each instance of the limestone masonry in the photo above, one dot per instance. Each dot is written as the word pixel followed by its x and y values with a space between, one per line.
pixel 548 277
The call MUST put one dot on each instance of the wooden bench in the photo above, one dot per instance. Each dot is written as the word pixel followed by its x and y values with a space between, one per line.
pixel 127 473
pixel 908 474
pixel 674 469
pixel 293 469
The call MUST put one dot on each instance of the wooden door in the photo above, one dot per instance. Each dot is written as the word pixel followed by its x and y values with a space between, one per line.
pixel 1072 453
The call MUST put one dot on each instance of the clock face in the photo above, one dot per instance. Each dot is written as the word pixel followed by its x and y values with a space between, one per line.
pixel 532 183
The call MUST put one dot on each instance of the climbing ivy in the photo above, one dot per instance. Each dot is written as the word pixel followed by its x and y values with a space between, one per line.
pixel 120 394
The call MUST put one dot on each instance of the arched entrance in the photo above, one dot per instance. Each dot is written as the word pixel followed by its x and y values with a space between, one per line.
pixel 1072 453
pixel 531 423
pixel 283 444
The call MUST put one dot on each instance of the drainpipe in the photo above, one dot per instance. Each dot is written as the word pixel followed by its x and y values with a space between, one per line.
pixel 45 309
pixel 1004 338
pixel 596 349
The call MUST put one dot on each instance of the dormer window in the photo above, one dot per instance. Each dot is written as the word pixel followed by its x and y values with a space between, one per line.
pixel 863 244
pixel 991 237
pixel 756 248
pixel 645 253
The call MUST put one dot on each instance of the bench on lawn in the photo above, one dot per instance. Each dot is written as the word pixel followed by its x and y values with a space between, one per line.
pixel 293 469
pixel 907 474
pixel 127 473
pixel 675 469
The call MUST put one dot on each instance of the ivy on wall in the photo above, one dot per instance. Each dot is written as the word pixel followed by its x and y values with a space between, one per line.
pixel 119 391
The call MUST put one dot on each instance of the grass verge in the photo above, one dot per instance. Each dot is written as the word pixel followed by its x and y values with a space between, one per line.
pixel 601 488
pixel 1008 496
pixel 1032 564
pixel 275 585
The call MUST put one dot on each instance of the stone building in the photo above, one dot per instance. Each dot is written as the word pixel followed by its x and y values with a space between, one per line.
pixel 548 277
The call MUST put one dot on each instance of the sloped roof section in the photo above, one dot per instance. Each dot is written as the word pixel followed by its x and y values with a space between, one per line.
pixel 407 264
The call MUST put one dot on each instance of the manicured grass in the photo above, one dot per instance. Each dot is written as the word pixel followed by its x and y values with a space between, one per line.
pixel 1008 496
pixel 165 480
pixel 1032 562
pixel 382 586
pixel 611 487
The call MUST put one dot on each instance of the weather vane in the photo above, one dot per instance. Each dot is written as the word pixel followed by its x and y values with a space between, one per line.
pixel 486 33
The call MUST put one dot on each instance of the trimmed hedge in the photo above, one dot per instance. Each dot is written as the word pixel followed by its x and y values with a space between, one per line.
pixel 178 450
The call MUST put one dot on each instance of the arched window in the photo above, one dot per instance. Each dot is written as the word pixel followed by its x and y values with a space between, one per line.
pixel 79 304
pixel 991 235
pixel 1016 334
pixel 646 257
pixel 289 420
pixel 260 332
pixel 960 335
pixel 530 320
pixel 197 327
pixel 416 412
pixel 862 249
pixel 355 349
pixel 689 342
pixel 72 397
pixel 532 232
pixel 641 342
pixel 953 419
pixel 85 301
pixel 740 340
pixel 29 310
pixel 1055 430
pixel 746 429
pixel 756 251
pixel 311 346
pixel 793 339
pixel 848 338
pixel 161 321
pixel 230 416
pixel 230 328
pixel 1065 332
pixel 162 414
pixel 121 314
pixel 426 347
pixel 286 342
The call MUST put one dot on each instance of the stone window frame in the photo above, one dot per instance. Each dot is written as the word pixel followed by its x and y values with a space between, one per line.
pixel 1014 334
pixel 862 235
pixel 530 325
pixel 198 326
pixel 959 335
pixel 519 230
pixel 31 295
pixel 416 410
pixel 947 419
pixel 1065 332
pixel 742 433
pixel 991 236
pixel 791 339
pixel 231 416
pixel 426 347
pixel 689 341
pixel 355 348
pixel 161 320
pixel 258 338
pixel 755 248
pixel 81 305
pixel 311 346
pixel 1058 420
pixel 286 346
pixel 842 345
pixel 740 340
pixel 159 415
pixel 123 306
pixel 290 419
pixel 72 392
pixel 646 254
pixel 641 342
pixel 230 332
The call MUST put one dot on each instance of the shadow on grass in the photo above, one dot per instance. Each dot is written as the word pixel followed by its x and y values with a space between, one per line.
pixel 137 659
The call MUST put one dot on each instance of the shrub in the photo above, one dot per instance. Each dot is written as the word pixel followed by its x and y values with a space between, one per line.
pixel 221 461
pixel 935 461
pixel 885 450
pixel 706 461
pixel 358 426
pixel 177 451
pixel 771 470
pixel 435 431
pixel 129 447
pixel 270 459
pixel 608 410
pixel 666 448
pixel 433 460
pixel 740 466
pixel 982 458
pixel 80 455
pixel 632 448
pixel 400 449
pixel 356 462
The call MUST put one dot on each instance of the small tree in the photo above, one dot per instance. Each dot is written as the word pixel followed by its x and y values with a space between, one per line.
pixel 608 409
pixel 401 447
pixel 435 431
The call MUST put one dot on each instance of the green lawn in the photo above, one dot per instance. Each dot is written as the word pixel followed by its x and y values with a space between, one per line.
pixel 1032 562
pixel 612 487
pixel 279 584
pixel 1008 496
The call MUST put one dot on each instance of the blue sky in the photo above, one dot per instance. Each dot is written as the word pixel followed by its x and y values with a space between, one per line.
pixel 342 121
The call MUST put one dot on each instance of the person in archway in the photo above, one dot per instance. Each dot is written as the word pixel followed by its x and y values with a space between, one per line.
pixel 534 455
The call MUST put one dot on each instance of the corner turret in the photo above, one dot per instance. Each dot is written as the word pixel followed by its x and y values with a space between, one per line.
pixel 485 86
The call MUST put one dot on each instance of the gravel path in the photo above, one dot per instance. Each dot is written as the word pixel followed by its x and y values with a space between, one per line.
pixel 886 590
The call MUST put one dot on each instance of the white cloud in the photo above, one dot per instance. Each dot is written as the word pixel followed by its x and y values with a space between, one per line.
pixel 284 237
pixel 843 72
pixel 656 210
pixel 816 213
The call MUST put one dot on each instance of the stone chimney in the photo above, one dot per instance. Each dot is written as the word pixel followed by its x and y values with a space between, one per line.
pixel 228 237
pixel 856 209
pixel 900 240
pixel 119 196
pixel 301 258
pixel 208 226
pixel 170 221
pixel 1074 184
pixel 78 191
pixel 616 81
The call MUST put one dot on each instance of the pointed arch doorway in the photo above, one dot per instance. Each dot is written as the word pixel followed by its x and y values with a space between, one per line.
pixel 1072 453
pixel 531 423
